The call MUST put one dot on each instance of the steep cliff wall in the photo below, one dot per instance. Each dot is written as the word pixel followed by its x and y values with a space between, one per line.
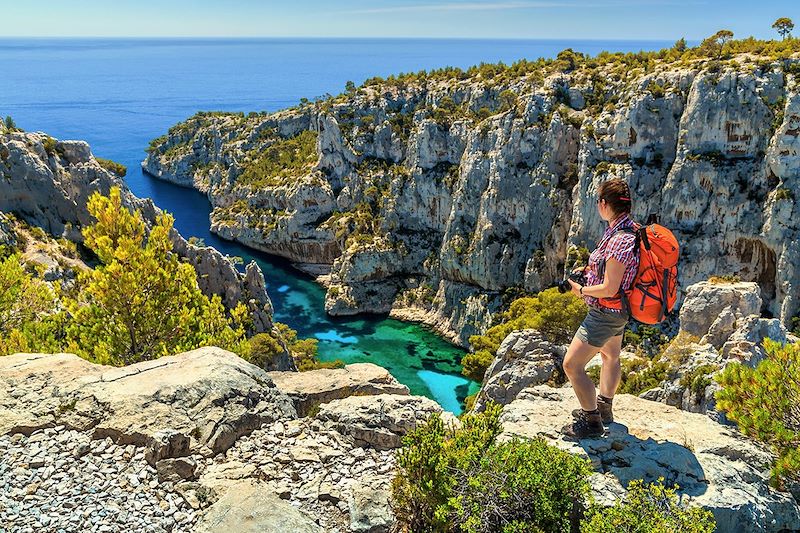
pixel 434 196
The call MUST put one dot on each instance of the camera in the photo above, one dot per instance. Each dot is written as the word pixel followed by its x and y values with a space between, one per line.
pixel 577 277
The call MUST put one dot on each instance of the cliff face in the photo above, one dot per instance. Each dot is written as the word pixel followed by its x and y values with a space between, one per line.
pixel 47 183
pixel 430 198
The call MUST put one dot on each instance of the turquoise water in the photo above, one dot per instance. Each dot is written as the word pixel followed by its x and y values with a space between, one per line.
pixel 119 93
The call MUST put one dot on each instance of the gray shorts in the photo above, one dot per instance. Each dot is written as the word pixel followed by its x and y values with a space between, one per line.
pixel 600 325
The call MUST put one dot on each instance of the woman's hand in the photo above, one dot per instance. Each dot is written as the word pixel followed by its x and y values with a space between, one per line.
pixel 579 270
pixel 576 288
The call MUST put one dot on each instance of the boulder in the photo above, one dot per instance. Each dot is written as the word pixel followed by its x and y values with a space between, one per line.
pixel 379 421
pixel 198 400
pixel 714 465
pixel 745 344
pixel 314 387
pixel 369 507
pixel 249 506
pixel 523 359
pixel 74 152
pixel 713 311
pixel 176 469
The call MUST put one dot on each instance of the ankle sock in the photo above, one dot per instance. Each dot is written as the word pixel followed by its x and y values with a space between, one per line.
pixel 592 412
pixel 603 398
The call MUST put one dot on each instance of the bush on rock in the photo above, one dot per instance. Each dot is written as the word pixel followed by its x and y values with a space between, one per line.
pixel 557 316
pixel 464 480
pixel 651 508
pixel 765 402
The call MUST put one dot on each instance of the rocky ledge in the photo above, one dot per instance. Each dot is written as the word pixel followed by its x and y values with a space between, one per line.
pixel 204 441
pixel 714 465
pixel 200 441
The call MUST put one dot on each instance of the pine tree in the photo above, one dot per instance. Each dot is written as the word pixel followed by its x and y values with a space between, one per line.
pixel 141 302
pixel 765 403
pixel 24 302
pixel 784 26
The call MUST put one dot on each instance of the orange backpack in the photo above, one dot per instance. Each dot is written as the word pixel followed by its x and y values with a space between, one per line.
pixel 655 288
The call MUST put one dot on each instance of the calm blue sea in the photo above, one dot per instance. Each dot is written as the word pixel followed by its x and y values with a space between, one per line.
pixel 119 93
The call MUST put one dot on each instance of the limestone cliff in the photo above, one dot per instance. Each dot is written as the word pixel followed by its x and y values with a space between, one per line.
pixel 431 196
pixel 47 183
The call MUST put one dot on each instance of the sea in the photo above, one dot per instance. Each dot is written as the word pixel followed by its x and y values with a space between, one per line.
pixel 119 93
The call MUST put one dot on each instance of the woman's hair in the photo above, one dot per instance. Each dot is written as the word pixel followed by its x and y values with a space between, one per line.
pixel 617 195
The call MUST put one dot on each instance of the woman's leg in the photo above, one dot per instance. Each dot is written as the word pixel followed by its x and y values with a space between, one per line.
pixel 578 354
pixel 610 373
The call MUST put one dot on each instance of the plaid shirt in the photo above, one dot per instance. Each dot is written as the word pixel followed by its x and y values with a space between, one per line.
pixel 621 248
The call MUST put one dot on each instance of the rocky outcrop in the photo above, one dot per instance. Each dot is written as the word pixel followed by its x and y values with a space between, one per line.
pixel 720 323
pixel 714 466
pixel 47 183
pixel 311 388
pixel 524 359
pixel 201 441
pixel 199 401
pixel 249 506
pixel 438 194
pixel 727 316
pixel 379 421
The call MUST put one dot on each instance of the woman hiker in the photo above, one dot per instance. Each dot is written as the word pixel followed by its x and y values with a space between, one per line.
pixel 612 266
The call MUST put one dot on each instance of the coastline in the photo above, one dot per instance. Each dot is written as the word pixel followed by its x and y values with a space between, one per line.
pixel 320 274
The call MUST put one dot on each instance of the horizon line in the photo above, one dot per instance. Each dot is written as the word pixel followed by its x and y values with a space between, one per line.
pixel 244 37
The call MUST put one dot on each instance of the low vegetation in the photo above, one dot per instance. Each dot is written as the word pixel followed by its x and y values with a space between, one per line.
pixel 557 316
pixel 653 508
pixel 464 480
pixel 765 402
pixel 112 166
pixel 281 161
pixel 140 302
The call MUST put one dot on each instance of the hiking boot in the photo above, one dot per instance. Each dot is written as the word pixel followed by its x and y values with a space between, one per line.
pixel 585 425
pixel 605 411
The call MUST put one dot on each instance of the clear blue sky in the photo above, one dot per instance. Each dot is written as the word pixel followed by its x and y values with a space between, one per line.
pixel 547 19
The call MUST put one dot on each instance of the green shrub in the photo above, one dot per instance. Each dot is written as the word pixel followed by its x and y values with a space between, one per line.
pixel 462 480
pixel 264 349
pixel 281 161
pixel 577 256
pixel 724 278
pixel 141 302
pixel 649 341
pixel 765 402
pixel 49 145
pixel 639 375
pixel 10 125
pixel 651 508
pixel 24 302
pixel 557 316
pixel 508 99
pixel 474 364
pixel 656 90
pixel 112 166
pixel 698 379
pixel 155 144
pixel 602 167
pixel 783 193
pixel 445 111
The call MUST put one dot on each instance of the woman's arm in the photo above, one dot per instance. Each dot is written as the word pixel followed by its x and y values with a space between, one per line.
pixel 612 279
